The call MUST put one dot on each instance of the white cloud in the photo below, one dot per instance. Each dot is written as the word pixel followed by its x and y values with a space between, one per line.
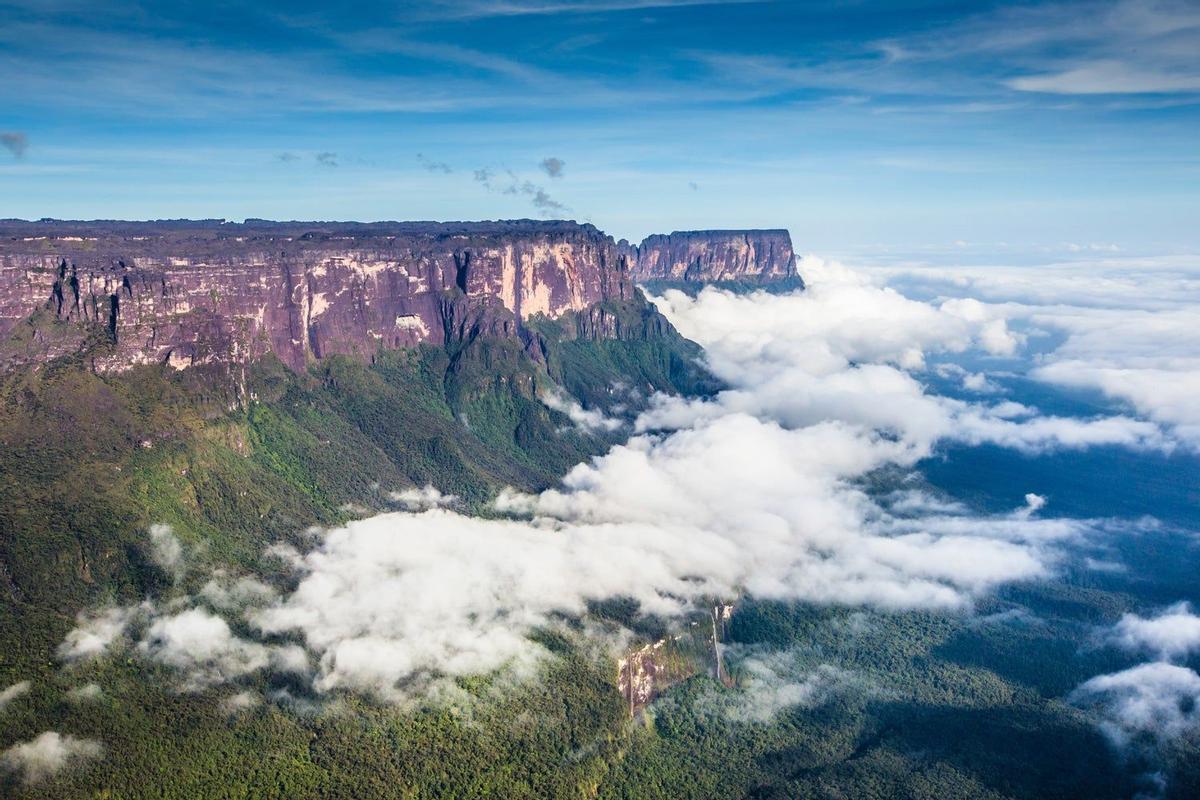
pixel 203 647
pixel 736 504
pixel 591 420
pixel 13 692
pixel 1158 700
pixel 979 383
pixel 1109 77
pixel 94 633
pixel 86 693
pixel 1127 326
pixel 224 592
pixel 1172 634
pixel 165 549
pixel 290 658
pixel 424 498
pixel 240 702
pixel 47 755
pixel 769 683
pixel 845 349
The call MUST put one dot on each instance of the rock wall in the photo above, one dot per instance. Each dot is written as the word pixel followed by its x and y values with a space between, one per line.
pixel 748 256
pixel 200 292
pixel 194 293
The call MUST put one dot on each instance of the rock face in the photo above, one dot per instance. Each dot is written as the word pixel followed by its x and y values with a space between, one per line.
pixel 750 256
pixel 190 293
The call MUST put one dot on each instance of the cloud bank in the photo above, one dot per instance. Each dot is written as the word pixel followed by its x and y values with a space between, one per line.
pixel 1126 326
pixel 848 349
pixel 757 490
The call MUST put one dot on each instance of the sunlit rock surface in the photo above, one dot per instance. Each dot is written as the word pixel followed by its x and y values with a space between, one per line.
pixel 186 293
pixel 752 256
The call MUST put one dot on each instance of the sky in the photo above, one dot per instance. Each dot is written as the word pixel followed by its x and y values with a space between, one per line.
pixel 853 124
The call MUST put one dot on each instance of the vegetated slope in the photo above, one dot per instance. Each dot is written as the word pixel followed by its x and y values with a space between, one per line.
pixel 91 460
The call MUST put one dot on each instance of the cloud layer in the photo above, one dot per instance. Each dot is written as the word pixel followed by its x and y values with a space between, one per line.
pixel 1125 327
pixel 851 350
pixel 756 490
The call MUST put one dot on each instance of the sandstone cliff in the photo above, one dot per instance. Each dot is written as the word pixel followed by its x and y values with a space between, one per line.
pixel 190 293
pixel 210 292
pixel 747 256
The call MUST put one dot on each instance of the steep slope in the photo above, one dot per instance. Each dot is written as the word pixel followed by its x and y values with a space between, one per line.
pixel 230 293
pixel 195 399
pixel 752 257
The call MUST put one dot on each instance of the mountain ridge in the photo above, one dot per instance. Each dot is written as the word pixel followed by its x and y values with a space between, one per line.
pixel 193 293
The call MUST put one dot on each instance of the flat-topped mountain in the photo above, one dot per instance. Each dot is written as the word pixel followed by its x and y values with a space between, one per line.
pixel 195 292
pixel 746 256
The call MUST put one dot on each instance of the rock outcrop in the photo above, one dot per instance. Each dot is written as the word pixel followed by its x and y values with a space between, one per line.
pixel 190 293
pixel 748 256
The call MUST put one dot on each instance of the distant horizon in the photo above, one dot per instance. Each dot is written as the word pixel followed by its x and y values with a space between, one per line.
pixel 879 124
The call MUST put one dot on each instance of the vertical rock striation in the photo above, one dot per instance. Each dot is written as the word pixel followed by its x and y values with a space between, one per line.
pixel 195 294
pixel 746 256
pixel 209 292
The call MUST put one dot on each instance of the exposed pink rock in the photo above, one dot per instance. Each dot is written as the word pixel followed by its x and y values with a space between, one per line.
pixel 751 256
pixel 188 293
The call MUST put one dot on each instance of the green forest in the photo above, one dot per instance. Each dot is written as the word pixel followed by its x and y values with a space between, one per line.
pixel 909 705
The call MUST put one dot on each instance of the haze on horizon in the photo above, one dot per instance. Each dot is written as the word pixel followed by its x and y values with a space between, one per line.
pixel 1057 127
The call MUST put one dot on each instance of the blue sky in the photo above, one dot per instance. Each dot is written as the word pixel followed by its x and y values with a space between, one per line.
pixel 854 124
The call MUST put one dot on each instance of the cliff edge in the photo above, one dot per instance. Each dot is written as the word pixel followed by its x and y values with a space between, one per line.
pixel 716 256
pixel 188 293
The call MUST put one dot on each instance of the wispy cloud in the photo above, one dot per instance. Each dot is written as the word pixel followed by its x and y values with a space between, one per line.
pixel 1109 77
pixel 48 754
pixel 14 142
pixel 513 184
pixel 553 166
pixel 480 9
pixel 434 166
pixel 13 692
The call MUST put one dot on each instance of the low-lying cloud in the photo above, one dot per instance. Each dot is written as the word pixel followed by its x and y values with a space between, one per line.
pixel 1143 709
pixel 95 632
pixel 11 693
pixel 166 550
pixel 849 349
pixel 47 755
pixel 1172 634
pixel 1127 326
pixel 1159 701
pixel 424 498
pixel 770 683
pixel 589 419
pixel 754 491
